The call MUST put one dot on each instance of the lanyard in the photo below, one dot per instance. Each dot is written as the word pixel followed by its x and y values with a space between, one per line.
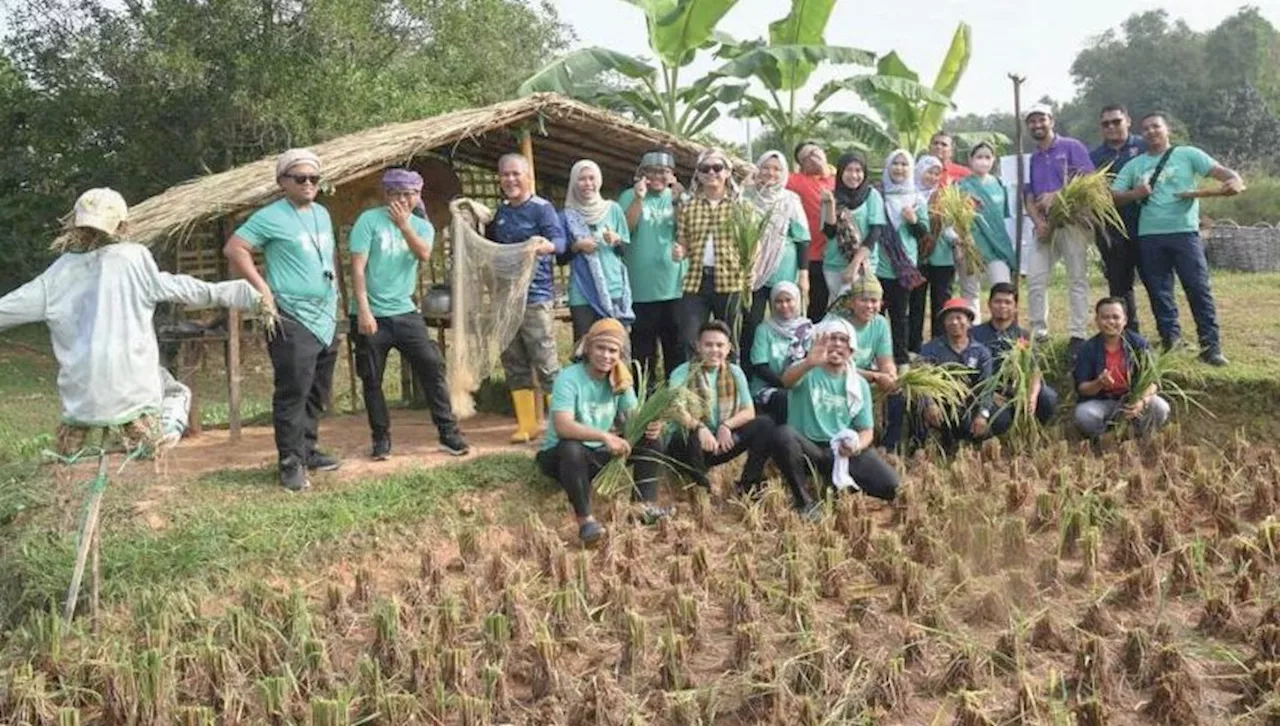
pixel 313 237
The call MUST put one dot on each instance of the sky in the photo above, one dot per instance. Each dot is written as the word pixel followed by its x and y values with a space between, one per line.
pixel 1033 38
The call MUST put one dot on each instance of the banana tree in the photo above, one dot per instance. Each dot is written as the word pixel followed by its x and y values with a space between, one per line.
pixel 653 93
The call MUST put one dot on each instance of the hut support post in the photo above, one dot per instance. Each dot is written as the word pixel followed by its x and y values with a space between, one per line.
pixel 526 150
pixel 233 373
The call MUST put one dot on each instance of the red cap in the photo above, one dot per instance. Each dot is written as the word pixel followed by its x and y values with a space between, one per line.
pixel 956 304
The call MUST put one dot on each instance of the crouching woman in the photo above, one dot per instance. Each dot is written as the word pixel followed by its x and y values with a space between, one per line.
pixel 830 423
pixel 729 426
pixel 1106 369
pixel 588 401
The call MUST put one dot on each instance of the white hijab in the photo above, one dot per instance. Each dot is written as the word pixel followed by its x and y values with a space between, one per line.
pixel 899 195
pixel 593 209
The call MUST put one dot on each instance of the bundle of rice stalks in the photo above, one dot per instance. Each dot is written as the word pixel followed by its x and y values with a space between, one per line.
pixel 746 227
pixel 1174 374
pixel 1085 201
pixel 1013 384
pixel 946 385
pixel 958 211
pixel 663 403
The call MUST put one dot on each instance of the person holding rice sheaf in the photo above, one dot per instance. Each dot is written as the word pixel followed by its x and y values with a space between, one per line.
pixel 1119 247
pixel 873 353
pixel 989 231
pixel 1163 182
pixel 714 281
pixel 854 220
pixel 597 229
pixel 1000 334
pixel 1104 373
pixel 295 236
pixel 587 402
pixel 779 342
pixel 98 300
pixel 907 222
pixel 387 243
pixel 937 258
pixel 730 426
pixel 831 424
pixel 974 420
pixel 782 255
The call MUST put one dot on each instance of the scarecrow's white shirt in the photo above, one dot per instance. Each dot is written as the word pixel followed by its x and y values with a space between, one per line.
pixel 99 307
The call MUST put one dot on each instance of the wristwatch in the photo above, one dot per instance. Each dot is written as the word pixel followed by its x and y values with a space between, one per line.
pixel 984 413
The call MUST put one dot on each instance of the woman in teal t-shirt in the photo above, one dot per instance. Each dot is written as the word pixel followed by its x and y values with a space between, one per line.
pixel 936 261
pixel 587 401
pixel 779 342
pixel 989 231
pixel 831 426
pixel 597 227
pixel 854 215
pixel 730 426
pixel 907 212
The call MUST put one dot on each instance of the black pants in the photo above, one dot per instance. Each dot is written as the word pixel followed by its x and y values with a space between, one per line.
pixel 775 408
pixel 755 316
pixel 800 456
pixel 581 317
pixel 952 433
pixel 897 307
pixel 303 369
pixel 574 464
pixel 698 307
pixel 657 323
pixel 938 290
pixel 408 334
pixel 819 295
pixel 1120 265
pixel 757 439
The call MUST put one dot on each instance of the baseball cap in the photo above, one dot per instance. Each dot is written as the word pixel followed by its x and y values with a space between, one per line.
pixel 102 209
pixel 1038 108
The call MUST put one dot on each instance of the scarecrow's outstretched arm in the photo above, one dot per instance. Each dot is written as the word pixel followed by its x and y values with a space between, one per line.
pixel 24 305
pixel 195 293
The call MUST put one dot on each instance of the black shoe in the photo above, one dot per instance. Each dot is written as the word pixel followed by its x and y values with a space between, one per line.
pixel 1214 358
pixel 453 443
pixel 590 532
pixel 382 448
pixel 292 476
pixel 322 462
pixel 1073 348
pixel 1168 344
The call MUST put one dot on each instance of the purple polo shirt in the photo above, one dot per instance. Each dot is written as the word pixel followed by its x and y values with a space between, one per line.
pixel 1051 167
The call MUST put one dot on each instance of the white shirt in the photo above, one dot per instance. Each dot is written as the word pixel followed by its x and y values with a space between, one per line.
pixel 709 247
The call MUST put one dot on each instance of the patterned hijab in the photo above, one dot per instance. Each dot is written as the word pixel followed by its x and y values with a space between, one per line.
pixel 899 195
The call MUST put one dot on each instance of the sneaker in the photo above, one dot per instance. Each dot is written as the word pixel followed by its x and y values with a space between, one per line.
pixel 292 476
pixel 1168 344
pixel 590 532
pixel 812 512
pixel 651 514
pixel 453 443
pixel 1214 358
pixel 319 461
pixel 382 448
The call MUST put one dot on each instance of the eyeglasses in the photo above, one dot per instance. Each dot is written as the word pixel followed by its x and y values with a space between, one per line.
pixel 1108 123
pixel 711 169
pixel 304 178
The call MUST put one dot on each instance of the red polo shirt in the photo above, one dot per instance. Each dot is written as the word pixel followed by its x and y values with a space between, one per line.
pixel 953 172
pixel 809 189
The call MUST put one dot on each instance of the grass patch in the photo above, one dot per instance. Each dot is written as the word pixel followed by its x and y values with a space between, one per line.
pixel 207 539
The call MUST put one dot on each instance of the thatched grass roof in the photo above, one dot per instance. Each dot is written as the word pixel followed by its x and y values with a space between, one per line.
pixel 564 132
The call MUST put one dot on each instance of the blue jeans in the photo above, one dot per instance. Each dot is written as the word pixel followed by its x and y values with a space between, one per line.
pixel 1164 255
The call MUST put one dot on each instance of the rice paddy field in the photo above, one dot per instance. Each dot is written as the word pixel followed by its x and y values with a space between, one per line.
pixel 1035 583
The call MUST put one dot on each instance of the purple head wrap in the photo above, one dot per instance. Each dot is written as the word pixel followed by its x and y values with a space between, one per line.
pixel 395 179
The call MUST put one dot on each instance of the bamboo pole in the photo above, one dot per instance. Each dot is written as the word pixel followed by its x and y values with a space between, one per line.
pixel 1020 215
pixel 87 534
pixel 233 373
pixel 95 585
pixel 526 149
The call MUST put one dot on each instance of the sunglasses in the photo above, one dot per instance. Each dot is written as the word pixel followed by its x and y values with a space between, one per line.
pixel 711 168
pixel 304 178
pixel 1108 123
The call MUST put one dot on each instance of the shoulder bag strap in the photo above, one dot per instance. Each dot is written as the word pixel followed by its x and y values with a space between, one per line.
pixel 1155 175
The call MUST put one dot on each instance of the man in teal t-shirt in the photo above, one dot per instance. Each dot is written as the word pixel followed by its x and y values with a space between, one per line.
pixel 656 278
pixel 387 243
pixel 296 239
pixel 1169 230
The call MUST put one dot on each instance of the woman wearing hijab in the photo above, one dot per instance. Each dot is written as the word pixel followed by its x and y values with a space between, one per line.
pixel 597 227
pixel 783 252
pixel 857 211
pixel 989 230
pixel 779 342
pixel 907 212
pixel 937 261
pixel 715 278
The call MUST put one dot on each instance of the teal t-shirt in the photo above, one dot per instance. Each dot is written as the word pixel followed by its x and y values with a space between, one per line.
pixel 874 341
pixel 870 213
pixel 989 231
pixel 1164 212
pixel 882 264
pixel 391 274
pixel 769 348
pixel 818 407
pixel 610 257
pixel 680 377
pixel 942 255
pixel 789 266
pixel 591 401
pixel 655 277
pixel 298 248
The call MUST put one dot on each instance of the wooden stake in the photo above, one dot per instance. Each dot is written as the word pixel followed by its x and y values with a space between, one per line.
pixel 1020 213
pixel 233 373
pixel 526 148
pixel 87 534
pixel 95 583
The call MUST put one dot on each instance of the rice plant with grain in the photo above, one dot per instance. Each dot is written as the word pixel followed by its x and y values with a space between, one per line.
pixel 958 211
pixel 1085 202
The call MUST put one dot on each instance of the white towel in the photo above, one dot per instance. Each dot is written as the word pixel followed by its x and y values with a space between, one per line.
pixel 840 468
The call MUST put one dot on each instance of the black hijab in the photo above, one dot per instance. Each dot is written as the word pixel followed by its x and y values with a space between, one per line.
pixel 848 197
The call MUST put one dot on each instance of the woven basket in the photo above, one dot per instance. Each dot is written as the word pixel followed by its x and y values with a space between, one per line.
pixel 1247 249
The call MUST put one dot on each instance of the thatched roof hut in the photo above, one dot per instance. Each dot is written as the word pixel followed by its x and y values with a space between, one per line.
pixel 561 131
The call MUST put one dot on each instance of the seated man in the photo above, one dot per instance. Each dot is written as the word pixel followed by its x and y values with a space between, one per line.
pixel 730 426
pixel 1106 364
pixel 999 334
pixel 586 402
pixel 831 425
pixel 974 421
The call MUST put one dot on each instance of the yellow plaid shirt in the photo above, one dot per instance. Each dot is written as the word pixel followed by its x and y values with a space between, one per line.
pixel 700 218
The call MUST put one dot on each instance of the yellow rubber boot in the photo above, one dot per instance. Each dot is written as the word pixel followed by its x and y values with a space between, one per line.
pixel 526 416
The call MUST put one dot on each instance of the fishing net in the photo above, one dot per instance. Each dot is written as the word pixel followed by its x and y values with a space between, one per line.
pixel 489 284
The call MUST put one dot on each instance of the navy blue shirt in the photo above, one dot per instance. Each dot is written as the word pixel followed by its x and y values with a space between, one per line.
pixel 976 356
pixel 1133 147
pixel 515 224
pixel 996 341
pixel 1091 360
